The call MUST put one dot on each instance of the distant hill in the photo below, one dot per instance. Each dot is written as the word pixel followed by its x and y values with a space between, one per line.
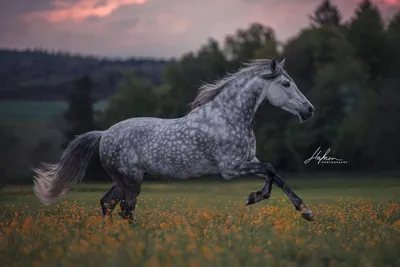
pixel 40 75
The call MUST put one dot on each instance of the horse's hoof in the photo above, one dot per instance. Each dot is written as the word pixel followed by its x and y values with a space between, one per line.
pixel 308 215
pixel 248 202
pixel 251 199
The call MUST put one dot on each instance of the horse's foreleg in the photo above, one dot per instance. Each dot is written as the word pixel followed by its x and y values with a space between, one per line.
pixel 264 193
pixel 306 213
pixel 110 200
pixel 254 168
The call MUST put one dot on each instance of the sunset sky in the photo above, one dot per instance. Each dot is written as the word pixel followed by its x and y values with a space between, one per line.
pixel 150 28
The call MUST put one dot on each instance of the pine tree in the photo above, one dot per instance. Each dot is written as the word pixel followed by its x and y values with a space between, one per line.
pixel 393 33
pixel 80 115
pixel 367 35
pixel 326 14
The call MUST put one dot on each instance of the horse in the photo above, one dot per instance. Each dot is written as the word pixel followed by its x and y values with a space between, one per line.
pixel 215 137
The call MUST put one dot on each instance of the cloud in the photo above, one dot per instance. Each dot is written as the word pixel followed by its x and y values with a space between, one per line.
pixel 82 9
pixel 156 28
pixel 392 2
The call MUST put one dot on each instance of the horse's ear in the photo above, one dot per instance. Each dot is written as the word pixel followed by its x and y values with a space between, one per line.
pixel 273 65
pixel 282 63
pixel 274 71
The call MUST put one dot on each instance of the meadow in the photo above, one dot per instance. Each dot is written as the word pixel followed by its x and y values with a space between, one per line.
pixel 194 223
pixel 36 110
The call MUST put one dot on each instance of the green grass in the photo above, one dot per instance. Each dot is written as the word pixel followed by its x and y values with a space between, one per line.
pixel 315 190
pixel 36 110
pixel 196 223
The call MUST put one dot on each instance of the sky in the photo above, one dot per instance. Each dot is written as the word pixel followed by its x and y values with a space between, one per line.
pixel 150 28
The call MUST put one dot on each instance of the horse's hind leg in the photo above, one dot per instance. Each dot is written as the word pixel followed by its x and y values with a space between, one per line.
pixel 129 183
pixel 110 200
pixel 128 205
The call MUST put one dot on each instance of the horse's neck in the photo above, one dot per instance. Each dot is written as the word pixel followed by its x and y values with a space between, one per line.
pixel 240 102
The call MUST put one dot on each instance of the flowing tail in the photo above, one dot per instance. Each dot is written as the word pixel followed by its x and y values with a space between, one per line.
pixel 53 180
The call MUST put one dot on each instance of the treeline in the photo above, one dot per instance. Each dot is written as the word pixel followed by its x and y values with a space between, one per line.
pixel 41 75
pixel 349 70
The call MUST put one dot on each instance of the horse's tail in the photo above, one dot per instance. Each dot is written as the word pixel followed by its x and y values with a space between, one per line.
pixel 53 180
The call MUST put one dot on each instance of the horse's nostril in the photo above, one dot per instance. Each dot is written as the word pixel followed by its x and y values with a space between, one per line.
pixel 311 109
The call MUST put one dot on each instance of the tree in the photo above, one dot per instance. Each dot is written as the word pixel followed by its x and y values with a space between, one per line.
pixel 8 143
pixel 370 136
pixel 258 41
pixel 393 35
pixel 367 34
pixel 299 59
pixel 323 60
pixel 135 97
pixel 326 14
pixel 184 77
pixel 79 116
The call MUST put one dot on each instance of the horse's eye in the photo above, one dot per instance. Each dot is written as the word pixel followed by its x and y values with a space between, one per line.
pixel 286 84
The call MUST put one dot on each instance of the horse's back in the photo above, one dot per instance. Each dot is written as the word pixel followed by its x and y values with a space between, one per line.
pixel 119 142
pixel 137 123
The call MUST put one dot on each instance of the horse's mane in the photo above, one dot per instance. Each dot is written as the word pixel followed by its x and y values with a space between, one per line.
pixel 209 91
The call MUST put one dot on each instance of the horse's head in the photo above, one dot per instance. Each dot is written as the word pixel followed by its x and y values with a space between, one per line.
pixel 281 91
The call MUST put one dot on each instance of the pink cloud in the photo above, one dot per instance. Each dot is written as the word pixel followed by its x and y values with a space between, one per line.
pixel 157 27
pixel 81 10
pixel 385 2
pixel 392 2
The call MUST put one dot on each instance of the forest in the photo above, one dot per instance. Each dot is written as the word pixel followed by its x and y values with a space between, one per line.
pixel 41 75
pixel 349 70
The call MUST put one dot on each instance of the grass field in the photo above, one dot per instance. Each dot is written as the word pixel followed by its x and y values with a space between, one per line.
pixel 193 223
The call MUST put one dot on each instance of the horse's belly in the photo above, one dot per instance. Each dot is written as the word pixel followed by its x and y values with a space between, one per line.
pixel 184 171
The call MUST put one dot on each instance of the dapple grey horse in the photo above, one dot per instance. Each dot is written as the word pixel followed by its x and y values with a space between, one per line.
pixel 214 138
